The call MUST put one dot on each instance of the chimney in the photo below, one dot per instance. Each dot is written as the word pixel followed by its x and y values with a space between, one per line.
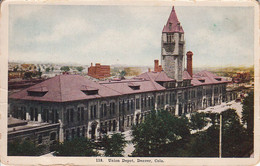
pixel 149 70
pixel 189 62
pixel 91 64
pixel 160 68
pixel 156 65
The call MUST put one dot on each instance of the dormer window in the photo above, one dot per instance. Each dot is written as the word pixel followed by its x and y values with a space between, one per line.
pixel 170 26
pixel 37 92
pixel 134 86
pixel 202 80
pixel 218 79
pixel 89 90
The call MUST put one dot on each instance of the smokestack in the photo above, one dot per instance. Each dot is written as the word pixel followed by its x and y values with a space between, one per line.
pixel 156 65
pixel 160 68
pixel 189 62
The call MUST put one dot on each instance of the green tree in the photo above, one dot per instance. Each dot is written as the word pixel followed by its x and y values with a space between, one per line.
pixel 15 68
pixel 76 147
pixel 24 148
pixel 28 75
pixel 39 72
pixel 65 68
pixel 122 74
pixel 47 70
pixel 114 145
pixel 198 120
pixel 80 68
pixel 234 137
pixel 203 144
pixel 161 134
pixel 248 112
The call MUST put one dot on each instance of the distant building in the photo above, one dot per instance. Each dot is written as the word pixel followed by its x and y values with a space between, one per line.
pixel 99 71
pixel 15 74
pixel 241 77
pixel 38 132
pixel 28 67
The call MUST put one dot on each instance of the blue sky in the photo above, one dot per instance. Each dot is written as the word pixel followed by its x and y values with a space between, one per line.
pixel 128 35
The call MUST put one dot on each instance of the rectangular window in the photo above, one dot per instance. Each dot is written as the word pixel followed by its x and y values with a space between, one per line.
pixel 95 111
pixel 152 102
pixel 162 99
pixel 78 114
pixel 82 113
pixel 110 125
pixel 56 115
pixel 120 108
pixel 114 108
pixel 167 99
pixel 123 106
pixel 132 105
pixel 51 116
pixel 158 100
pixel 105 109
pixel 142 103
pixel 78 132
pixel 68 116
pixel 109 109
pixel 137 102
pixel 101 110
pixel 91 111
pixel 83 132
pixel 128 119
pixel 128 105
pixel 36 114
pixel 71 115
pixel 31 114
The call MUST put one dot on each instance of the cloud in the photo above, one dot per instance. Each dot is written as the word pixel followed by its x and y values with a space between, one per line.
pixel 129 34
pixel 126 47
pixel 65 28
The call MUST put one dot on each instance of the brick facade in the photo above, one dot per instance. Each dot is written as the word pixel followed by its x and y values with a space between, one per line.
pixel 99 71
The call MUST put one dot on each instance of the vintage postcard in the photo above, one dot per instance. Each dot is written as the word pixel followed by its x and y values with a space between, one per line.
pixel 129 83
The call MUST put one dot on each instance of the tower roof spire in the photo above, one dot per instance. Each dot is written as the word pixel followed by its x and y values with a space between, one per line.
pixel 173 24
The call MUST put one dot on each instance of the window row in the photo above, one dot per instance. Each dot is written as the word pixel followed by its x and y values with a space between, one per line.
pixel 107 110
pixel 73 133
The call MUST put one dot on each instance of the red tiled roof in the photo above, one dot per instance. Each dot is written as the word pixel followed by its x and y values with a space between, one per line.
pixel 67 87
pixel 186 75
pixel 64 88
pixel 206 78
pixel 124 86
pixel 156 76
pixel 175 24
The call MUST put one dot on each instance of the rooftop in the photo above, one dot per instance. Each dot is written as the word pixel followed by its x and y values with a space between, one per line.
pixel 63 88
pixel 173 24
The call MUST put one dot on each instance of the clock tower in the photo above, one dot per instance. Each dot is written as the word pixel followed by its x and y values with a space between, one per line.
pixel 172 47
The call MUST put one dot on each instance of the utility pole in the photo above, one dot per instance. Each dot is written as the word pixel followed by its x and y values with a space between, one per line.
pixel 220 135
